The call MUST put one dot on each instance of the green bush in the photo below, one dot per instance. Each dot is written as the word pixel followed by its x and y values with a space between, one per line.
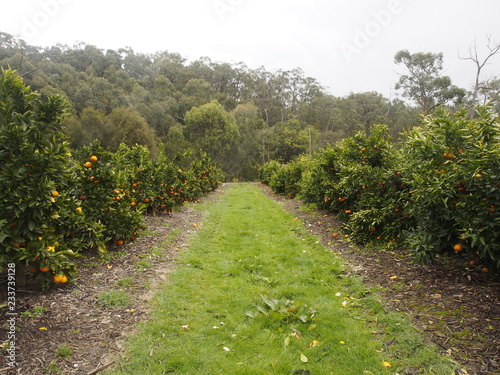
pixel 452 164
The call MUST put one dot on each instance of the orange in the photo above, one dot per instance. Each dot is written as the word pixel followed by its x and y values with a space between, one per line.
pixel 119 242
pixel 57 278
pixel 54 193
pixel 88 164
pixel 458 248
pixel 486 270
pixel 335 235
pixel 93 158
pixel 64 279
pixel 78 210
pixel 44 269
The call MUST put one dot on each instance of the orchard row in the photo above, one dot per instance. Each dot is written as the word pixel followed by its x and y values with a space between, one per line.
pixel 436 192
pixel 57 203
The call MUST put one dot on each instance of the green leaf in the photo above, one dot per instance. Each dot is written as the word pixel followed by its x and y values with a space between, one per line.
pixel 303 358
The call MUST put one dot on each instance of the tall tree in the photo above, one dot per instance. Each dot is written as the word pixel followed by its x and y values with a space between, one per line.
pixel 424 82
pixel 212 129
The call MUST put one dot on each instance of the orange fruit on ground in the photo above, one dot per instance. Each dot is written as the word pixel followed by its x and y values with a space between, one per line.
pixel 44 269
pixel 93 158
pixel 335 235
pixel 458 248
pixel 88 164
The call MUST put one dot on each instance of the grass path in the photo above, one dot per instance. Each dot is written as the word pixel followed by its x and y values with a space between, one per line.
pixel 256 294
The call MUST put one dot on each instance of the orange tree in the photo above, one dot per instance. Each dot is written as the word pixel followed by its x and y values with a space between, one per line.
pixel 206 176
pixel 41 222
pixel 359 180
pixel 103 190
pixel 452 165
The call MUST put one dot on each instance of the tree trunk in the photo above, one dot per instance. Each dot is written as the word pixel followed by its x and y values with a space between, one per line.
pixel 21 274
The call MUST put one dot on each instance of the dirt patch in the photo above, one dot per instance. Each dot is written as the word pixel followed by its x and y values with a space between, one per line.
pixel 454 306
pixel 457 308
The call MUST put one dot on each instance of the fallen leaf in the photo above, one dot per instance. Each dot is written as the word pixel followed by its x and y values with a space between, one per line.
pixel 287 341
pixel 393 277
pixel 303 358
pixel 42 329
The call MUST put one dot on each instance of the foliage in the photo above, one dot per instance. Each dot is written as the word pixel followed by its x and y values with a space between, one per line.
pixel 437 193
pixel 121 96
pixel 56 204
pixel 41 221
pixel 424 82
pixel 452 167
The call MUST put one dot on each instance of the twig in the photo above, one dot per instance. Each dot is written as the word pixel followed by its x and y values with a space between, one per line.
pixel 99 369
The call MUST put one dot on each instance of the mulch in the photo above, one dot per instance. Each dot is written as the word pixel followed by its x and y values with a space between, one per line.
pixel 455 307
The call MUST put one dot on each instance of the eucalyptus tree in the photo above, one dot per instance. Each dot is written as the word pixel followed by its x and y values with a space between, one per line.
pixel 424 82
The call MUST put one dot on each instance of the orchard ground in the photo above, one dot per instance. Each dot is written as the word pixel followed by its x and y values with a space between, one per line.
pixel 456 308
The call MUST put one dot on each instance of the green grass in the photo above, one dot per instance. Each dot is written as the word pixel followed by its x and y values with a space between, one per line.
pixel 256 294
pixel 114 299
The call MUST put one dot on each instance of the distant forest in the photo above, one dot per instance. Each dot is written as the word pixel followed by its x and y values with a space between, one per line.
pixel 241 117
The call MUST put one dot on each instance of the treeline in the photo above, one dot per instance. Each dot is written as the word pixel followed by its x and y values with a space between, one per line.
pixel 241 117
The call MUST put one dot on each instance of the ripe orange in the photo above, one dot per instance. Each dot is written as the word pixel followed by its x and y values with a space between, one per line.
pixel 78 210
pixel 486 270
pixel 88 164
pixel 132 203
pixel 335 235
pixel 373 229
pixel 54 193
pixel 57 278
pixel 119 242
pixel 93 158
pixel 44 269
pixel 458 248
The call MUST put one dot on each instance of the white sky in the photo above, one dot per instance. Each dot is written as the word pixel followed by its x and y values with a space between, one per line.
pixel 347 45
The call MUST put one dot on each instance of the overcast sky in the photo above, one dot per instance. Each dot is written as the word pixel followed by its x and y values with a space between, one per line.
pixel 348 46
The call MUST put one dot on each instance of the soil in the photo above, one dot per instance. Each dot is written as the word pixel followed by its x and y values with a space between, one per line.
pixel 455 307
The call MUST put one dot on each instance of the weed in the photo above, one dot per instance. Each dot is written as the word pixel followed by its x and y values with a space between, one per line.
pixel 37 310
pixel 113 299
pixel 127 282
pixel 64 351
